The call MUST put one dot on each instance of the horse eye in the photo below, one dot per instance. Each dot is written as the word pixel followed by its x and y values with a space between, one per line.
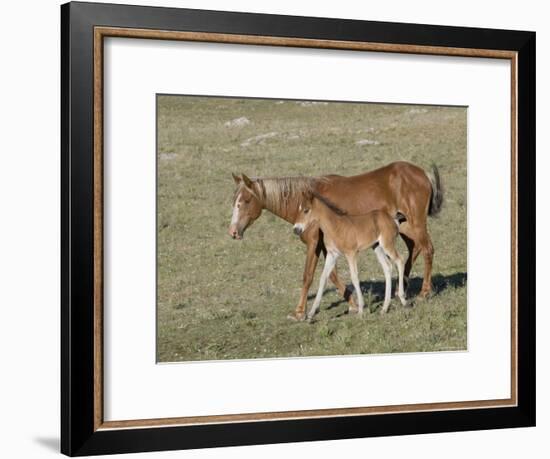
pixel 247 201
pixel 306 211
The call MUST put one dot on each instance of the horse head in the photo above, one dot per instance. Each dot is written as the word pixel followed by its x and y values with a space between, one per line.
pixel 247 206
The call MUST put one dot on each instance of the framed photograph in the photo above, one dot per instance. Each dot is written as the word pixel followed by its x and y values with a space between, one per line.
pixel 280 229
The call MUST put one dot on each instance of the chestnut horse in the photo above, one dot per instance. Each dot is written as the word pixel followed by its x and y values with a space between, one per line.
pixel 399 187
pixel 348 235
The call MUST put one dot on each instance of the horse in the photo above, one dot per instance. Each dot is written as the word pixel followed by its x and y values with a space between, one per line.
pixel 397 187
pixel 348 235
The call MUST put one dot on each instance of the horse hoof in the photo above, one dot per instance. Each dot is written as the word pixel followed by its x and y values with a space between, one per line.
pixel 296 317
pixel 353 311
pixel 424 295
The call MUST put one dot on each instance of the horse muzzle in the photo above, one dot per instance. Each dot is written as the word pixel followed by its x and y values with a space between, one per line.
pixel 298 230
pixel 235 233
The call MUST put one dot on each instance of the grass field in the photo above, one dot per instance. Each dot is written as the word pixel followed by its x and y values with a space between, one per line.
pixel 225 299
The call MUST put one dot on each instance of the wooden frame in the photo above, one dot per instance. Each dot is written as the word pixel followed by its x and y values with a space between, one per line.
pixel 84 26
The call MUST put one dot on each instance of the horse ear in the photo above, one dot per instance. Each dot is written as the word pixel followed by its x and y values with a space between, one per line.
pixel 247 181
pixel 236 178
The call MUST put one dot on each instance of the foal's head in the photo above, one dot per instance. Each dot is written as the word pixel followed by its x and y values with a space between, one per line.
pixel 315 208
pixel 247 206
pixel 306 214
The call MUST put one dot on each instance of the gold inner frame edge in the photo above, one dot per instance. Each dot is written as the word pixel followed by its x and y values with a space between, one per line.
pixel 99 34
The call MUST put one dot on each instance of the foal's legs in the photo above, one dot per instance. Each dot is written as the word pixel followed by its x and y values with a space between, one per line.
pixel 315 248
pixel 335 279
pixel 330 262
pixel 352 261
pixel 386 266
pixel 393 254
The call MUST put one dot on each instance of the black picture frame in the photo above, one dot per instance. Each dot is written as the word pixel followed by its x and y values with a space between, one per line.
pixel 78 433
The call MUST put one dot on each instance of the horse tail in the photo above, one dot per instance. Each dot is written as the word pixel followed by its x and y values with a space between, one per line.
pixel 436 200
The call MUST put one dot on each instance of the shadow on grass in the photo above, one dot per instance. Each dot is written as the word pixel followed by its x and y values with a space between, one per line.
pixel 376 289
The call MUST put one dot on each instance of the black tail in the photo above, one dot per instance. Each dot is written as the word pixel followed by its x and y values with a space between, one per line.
pixel 436 201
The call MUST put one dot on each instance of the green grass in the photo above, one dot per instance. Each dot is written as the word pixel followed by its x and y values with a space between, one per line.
pixel 225 299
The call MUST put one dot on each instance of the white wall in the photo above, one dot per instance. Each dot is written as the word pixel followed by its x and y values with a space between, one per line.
pixel 29 232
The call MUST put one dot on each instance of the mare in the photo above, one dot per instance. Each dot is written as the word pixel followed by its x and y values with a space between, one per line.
pixel 397 187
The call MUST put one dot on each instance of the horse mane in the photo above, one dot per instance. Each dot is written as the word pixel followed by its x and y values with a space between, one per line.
pixel 279 193
pixel 337 210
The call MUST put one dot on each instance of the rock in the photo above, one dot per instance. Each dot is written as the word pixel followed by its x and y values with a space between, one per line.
pixel 238 122
pixel 259 139
pixel 367 142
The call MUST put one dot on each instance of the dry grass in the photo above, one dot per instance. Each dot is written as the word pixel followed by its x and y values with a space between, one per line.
pixel 225 299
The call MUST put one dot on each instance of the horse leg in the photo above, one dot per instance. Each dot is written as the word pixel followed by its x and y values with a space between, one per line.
pixel 422 243
pixel 312 257
pixel 335 279
pixel 393 254
pixel 386 266
pixel 330 261
pixel 428 254
pixel 413 252
pixel 412 236
pixel 401 293
pixel 352 261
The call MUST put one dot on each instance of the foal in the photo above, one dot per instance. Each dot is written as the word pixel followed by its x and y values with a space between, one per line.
pixel 348 235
